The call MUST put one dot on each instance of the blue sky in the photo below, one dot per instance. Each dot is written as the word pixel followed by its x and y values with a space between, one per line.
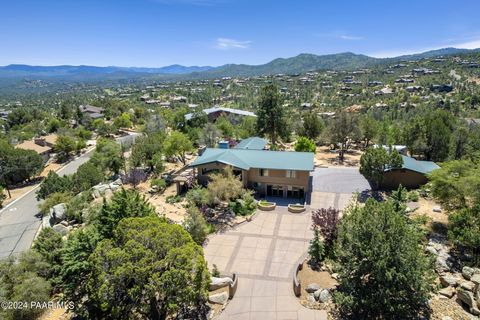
pixel 155 33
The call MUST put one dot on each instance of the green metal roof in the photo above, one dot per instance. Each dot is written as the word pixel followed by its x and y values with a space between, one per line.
pixel 252 143
pixel 264 159
pixel 418 165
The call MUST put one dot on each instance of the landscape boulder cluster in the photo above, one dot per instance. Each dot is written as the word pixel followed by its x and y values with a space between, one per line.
pixel 464 286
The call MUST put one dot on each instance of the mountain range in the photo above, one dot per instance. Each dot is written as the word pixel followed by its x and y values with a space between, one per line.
pixel 301 63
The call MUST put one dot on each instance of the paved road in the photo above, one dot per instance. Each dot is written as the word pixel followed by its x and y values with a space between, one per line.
pixel 20 220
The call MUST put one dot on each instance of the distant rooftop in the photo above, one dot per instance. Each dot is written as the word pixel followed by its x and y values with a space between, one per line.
pixel 208 111
pixel 252 143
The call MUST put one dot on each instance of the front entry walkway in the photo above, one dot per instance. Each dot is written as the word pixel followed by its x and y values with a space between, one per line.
pixel 264 254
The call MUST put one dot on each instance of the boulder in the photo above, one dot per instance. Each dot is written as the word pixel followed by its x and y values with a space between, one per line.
pixel 311 298
pixel 312 287
pixel 443 263
pixel 466 297
pixel 468 285
pixel 437 209
pixel 218 283
pixel 48 221
pixel 447 292
pixel 118 182
pixel 476 279
pixel 96 194
pixel 323 295
pixel 108 193
pixel 448 280
pixel 467 272
pixel 431 249
pixel 114 186
pixel 60 228
pixel 59 211
pixel 219 298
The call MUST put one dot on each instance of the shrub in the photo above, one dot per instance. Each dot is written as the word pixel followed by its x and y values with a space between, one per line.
pixel 196 225
pixel 54 183
pixel 305 145
pixel 244 206
pixel 78 205
pixel 173 199
pixel 316 249
pixel 53 200
pixel 2 196
pixel 198 196
pixel 464 231
pixel 159 184
pixel 325 221
pixel 225 186
pixel 215 272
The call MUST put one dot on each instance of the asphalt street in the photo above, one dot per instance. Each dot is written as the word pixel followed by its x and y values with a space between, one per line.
pixel 20 220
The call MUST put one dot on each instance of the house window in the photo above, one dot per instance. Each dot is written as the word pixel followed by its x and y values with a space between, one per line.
pixel 291 174
pixel 263 172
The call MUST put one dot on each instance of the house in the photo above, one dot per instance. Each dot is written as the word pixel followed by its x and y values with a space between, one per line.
pixel 269 173
pixel 44 150
pixel 400 148
pixel 4 114
pixel 234 115
pixel 411 175
pixel 252 143
pixel 92 111
pixel 441 87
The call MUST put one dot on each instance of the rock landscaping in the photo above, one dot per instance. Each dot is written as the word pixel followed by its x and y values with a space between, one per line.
pixel 316 287
pixel 219 294
pixel 461 285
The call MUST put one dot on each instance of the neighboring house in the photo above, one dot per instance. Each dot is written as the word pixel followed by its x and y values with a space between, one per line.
pixel 269 173
pixel 42 150
pixel 400 148
pixel 234 115
pixel 4 114
pixel 252 143
pixel 41 145
pixel 412 175
pixel 92 111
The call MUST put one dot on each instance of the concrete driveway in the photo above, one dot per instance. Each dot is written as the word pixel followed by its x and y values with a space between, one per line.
pixel 264 253
pixel 334 187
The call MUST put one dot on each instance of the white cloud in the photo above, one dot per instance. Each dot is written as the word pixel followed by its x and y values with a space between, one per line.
pixel 225 44
pixel 347 37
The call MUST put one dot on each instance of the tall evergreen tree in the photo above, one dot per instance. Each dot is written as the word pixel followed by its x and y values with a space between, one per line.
pixel 270 114
pixel 385 273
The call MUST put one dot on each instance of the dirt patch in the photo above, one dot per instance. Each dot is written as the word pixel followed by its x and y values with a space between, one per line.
pixel 327 157
pixel 438 221
pixel 448 308
pixel 174 211
pixel 307 276
pixel 56 314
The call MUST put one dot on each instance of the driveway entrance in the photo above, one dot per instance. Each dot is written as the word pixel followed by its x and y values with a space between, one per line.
pixel 264 254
